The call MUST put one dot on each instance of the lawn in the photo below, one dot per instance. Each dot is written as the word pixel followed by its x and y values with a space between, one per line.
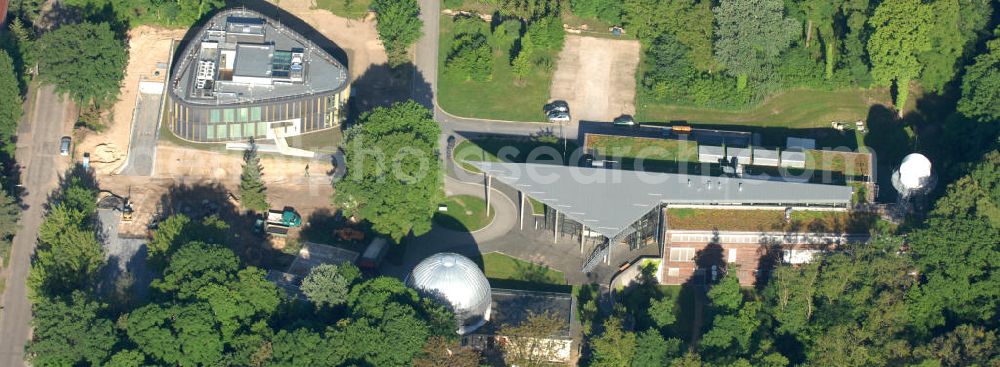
pixel 646 148
pixel 501 98
pixel 536 206
pixel 465 213
pixel 354 9
pixel 802 108
pixel 848 163
pixel 648 154
pixel 500 266
pixel 510 149
pixel 768 220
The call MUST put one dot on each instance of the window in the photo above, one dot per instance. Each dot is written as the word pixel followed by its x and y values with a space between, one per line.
pixel 220 131
pixel 211 133
pixel 230 115
pixel 262 128
pixel 216 116
pixel 254 113
pixel 243 115
pixel 248 129
pixel 682 254
pixel 673 272
pixel 732 256
pixel 234 131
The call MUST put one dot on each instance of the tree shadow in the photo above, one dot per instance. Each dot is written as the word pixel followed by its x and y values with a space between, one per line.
pixel 202 200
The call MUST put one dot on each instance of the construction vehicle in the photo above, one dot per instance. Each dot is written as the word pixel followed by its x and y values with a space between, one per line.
pixel 287 217
pixel 278 222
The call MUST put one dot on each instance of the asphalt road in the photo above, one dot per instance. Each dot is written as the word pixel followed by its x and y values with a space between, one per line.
pixel 38 153
pixel 142 144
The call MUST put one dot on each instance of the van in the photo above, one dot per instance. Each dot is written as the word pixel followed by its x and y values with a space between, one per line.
pixel 373 254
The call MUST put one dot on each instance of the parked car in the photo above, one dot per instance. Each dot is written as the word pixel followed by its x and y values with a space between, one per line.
pixel 625 120
pixel 64 146
pixel 559 106
pixel 556 116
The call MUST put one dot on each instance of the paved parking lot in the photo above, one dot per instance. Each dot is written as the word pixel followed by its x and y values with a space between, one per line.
pixel 597 77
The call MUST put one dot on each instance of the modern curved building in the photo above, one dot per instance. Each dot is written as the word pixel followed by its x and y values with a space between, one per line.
pixel 456 280
pixel 245 75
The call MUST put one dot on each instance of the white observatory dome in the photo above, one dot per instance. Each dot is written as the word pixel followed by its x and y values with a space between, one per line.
pixel 915 171
pixel 453 278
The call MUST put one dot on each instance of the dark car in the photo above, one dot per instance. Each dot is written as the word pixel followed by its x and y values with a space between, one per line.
pixel 560 106
pixel 556 116
pixel 625 120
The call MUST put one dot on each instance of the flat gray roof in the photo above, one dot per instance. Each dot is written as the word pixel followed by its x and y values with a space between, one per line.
pixel 321 72
pixel 253 60
pixel 710 149
pixel 791 156
pixel 609 200
pixel 761 153
pixel 739 152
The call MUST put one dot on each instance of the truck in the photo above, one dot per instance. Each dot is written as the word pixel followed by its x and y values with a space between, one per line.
pixel 374 254
pixel 287 217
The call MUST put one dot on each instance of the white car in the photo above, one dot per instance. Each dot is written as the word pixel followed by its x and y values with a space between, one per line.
pixel 559 117
pixel 64 146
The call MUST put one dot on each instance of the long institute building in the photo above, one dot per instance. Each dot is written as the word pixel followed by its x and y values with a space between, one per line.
pixel 244 75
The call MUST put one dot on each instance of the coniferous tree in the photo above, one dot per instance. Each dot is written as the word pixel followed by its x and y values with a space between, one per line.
pixel 253 195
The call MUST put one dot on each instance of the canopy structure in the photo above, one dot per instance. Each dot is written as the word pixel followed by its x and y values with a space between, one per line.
pixel 608 201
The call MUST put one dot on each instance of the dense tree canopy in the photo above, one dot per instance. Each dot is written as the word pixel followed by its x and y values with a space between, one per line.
pixel 92 72
pixel 751 34
pixel 902 30
pixel 10 104
pixel 394 179
pixel 399 27
pixel 329 285
pixel 981 85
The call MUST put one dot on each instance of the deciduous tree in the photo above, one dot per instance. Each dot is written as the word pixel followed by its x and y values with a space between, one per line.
pixel 981 85
pixel 393 177
pixel 615 347
pixel 85 60
pixel 439 352
pixel 750 34
pixel 70 332
pixel 329 284
pixel 530 343
pixel 399 27
pixel 901 32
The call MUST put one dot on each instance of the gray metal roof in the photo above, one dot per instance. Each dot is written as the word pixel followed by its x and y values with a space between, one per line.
pixel 513 307
pixel 739 152
pixel 609 200
pixel 709 149
pixel 789 156
pixel 453 278
pixel 761 153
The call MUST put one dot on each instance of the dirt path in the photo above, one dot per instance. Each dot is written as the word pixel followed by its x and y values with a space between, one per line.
pixel 148 46
pixel 597 77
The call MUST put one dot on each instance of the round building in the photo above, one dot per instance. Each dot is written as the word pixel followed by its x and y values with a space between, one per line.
pixel 457 282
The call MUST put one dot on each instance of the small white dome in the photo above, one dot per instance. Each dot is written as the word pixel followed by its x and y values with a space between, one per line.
pixel 914 171
pixel 453 278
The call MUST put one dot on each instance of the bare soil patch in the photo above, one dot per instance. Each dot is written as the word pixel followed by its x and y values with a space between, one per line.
pixel 147 47
pixel 597 77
